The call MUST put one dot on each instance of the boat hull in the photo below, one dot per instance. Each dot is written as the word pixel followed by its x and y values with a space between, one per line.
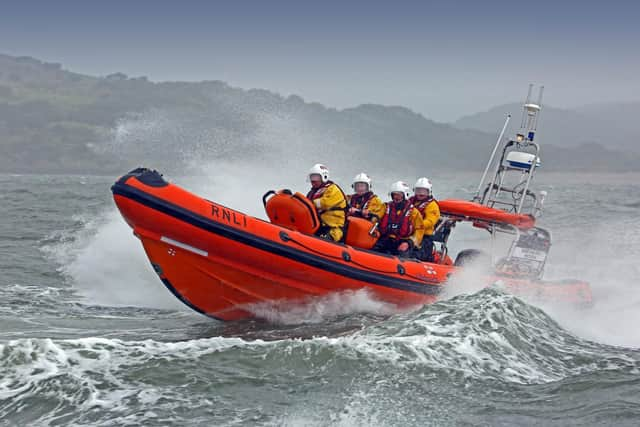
pixel 221 262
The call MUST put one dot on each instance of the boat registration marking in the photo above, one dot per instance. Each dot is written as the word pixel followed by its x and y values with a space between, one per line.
pixel 228 216
pixel 183 246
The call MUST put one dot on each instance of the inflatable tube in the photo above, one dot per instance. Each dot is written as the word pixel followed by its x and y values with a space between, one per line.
pixel 471 211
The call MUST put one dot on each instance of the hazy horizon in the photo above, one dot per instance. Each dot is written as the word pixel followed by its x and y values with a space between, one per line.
pixel 441 60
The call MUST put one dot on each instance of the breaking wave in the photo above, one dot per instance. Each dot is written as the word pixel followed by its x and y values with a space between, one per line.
pixel 467 341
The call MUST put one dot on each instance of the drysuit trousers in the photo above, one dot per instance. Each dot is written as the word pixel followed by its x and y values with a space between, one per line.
pixel 425 251
pixel 333 233
pixel 390 246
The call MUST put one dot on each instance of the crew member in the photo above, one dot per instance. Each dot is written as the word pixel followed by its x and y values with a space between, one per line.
pixel 364 203
pixel 401 227
pixel 330 203
pixel 428 206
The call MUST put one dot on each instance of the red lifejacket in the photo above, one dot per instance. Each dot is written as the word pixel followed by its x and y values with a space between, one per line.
pixel 397 221
pixel 360 202
pixel 422 205
pixel 316 193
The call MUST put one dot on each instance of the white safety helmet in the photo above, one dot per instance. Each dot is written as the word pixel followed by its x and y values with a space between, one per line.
pixel 423 183
pixel 361 177
pixel 319 169
pixel 400 187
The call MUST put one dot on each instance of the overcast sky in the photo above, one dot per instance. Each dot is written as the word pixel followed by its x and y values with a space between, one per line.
pixel 443 59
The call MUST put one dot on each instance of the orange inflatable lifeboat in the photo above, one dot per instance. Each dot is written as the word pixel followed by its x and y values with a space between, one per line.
pixel 221 262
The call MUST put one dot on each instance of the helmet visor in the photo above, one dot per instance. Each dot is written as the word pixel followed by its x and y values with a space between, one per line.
pixel 315 177
pixel 361 187
pixel 397 196
pixel 421 192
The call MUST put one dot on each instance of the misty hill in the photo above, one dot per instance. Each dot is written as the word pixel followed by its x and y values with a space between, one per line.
pixel 53 120
pixel 609 125
pixel 620 116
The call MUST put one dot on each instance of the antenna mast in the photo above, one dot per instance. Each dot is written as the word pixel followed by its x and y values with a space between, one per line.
pixel 519 155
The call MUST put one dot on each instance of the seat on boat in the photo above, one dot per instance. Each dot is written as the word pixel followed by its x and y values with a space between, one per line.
pixel 361 233
pixel 439 239
pixel 295 212
pixel 291 210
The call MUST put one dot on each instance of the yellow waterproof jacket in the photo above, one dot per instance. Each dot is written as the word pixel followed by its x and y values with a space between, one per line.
pixel 330 203
pixel 373 204
pixel 430 214
pixel 418 227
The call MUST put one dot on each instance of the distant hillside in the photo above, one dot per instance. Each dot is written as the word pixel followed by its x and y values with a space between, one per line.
pixel 621 116
pixel 57 121
pixel 609 125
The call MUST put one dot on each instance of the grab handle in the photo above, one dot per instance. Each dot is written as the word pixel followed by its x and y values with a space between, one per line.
pixel 374 228
pixel 266 196
pixel 272 192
